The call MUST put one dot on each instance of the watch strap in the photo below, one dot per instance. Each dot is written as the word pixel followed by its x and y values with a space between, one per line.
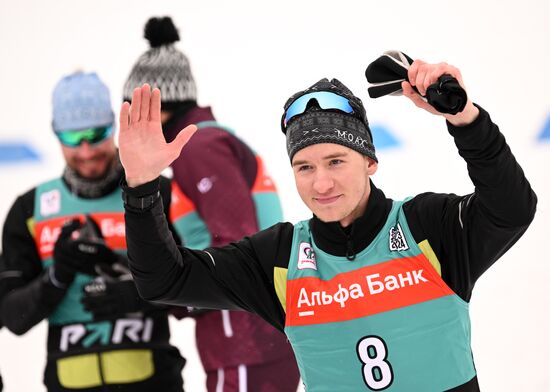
pixel 142 202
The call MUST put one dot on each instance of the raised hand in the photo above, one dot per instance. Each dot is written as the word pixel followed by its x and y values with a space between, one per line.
pixel 143 150
pixel 421 75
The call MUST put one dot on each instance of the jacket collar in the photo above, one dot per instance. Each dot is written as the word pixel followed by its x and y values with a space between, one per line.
pixel 338 241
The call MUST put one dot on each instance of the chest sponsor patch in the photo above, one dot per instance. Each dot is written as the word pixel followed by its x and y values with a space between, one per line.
pixel 111 224
pixel 306 257
pixel 362 292
pixel 398 242
pixel 50 203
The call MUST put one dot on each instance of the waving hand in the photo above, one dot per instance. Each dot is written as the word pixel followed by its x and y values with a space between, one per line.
pixel 144 152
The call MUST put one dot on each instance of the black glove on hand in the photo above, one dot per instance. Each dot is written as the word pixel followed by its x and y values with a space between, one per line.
pixel 110 296
pixel 79 248
pixel 388 71
pixel 111 299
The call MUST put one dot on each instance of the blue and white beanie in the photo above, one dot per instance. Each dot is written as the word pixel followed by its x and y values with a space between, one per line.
pixel 80 101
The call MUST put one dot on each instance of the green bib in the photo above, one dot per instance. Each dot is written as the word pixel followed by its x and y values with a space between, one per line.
pixel 54 204
pixel 383 321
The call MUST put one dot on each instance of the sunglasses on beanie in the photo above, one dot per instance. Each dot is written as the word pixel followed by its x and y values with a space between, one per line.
pixel 325 100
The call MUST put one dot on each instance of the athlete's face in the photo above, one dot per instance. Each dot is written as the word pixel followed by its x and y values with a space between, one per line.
pixel 333 181
pixel 91 161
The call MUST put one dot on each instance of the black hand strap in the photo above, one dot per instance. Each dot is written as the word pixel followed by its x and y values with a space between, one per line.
pixel 140 203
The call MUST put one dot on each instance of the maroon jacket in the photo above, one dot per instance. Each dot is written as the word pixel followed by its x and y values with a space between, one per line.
pixel 217 172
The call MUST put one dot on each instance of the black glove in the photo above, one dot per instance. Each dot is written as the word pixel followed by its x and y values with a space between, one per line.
pixel 79 248
pixel 447 96
pixel 113 294
pixel 388 71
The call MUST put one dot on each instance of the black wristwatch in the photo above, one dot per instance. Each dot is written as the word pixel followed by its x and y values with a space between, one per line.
pixel 140 203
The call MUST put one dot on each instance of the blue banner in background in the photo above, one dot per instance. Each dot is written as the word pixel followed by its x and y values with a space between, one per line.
pixel 545 134
pixel 17 152
pixel 383 138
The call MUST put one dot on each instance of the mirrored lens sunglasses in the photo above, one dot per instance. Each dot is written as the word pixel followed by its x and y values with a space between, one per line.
pixel 91 135
pixel 325 100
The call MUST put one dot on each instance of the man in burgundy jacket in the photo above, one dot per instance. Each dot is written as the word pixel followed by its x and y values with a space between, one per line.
pixel 227 195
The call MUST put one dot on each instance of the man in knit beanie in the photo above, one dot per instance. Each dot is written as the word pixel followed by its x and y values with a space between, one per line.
pixel 229 195
pixel 371 292
pixel 64 260
pixel 82 111
pixel 315 125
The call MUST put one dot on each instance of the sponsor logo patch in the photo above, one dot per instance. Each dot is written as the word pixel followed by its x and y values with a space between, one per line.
pixel 306 257
pixel 50 203
pixel 397 239
pixel 205 184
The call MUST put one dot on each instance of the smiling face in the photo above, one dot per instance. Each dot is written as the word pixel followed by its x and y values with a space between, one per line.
pixel 91 161
pixel 333 181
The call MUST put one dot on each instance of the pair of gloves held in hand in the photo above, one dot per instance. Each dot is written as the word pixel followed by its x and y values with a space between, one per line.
pixel 387 72
pixel 81 248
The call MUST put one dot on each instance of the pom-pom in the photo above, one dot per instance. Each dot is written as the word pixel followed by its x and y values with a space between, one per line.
pixel 161 31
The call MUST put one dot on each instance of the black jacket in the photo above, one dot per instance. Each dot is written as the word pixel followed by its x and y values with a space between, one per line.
pixel 467 234
pixel 27 296
pixel 23 284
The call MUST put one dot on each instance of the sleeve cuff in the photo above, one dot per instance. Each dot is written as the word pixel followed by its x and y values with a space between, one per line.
pixel 143 190
pixel 456 131
pixel 142 197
